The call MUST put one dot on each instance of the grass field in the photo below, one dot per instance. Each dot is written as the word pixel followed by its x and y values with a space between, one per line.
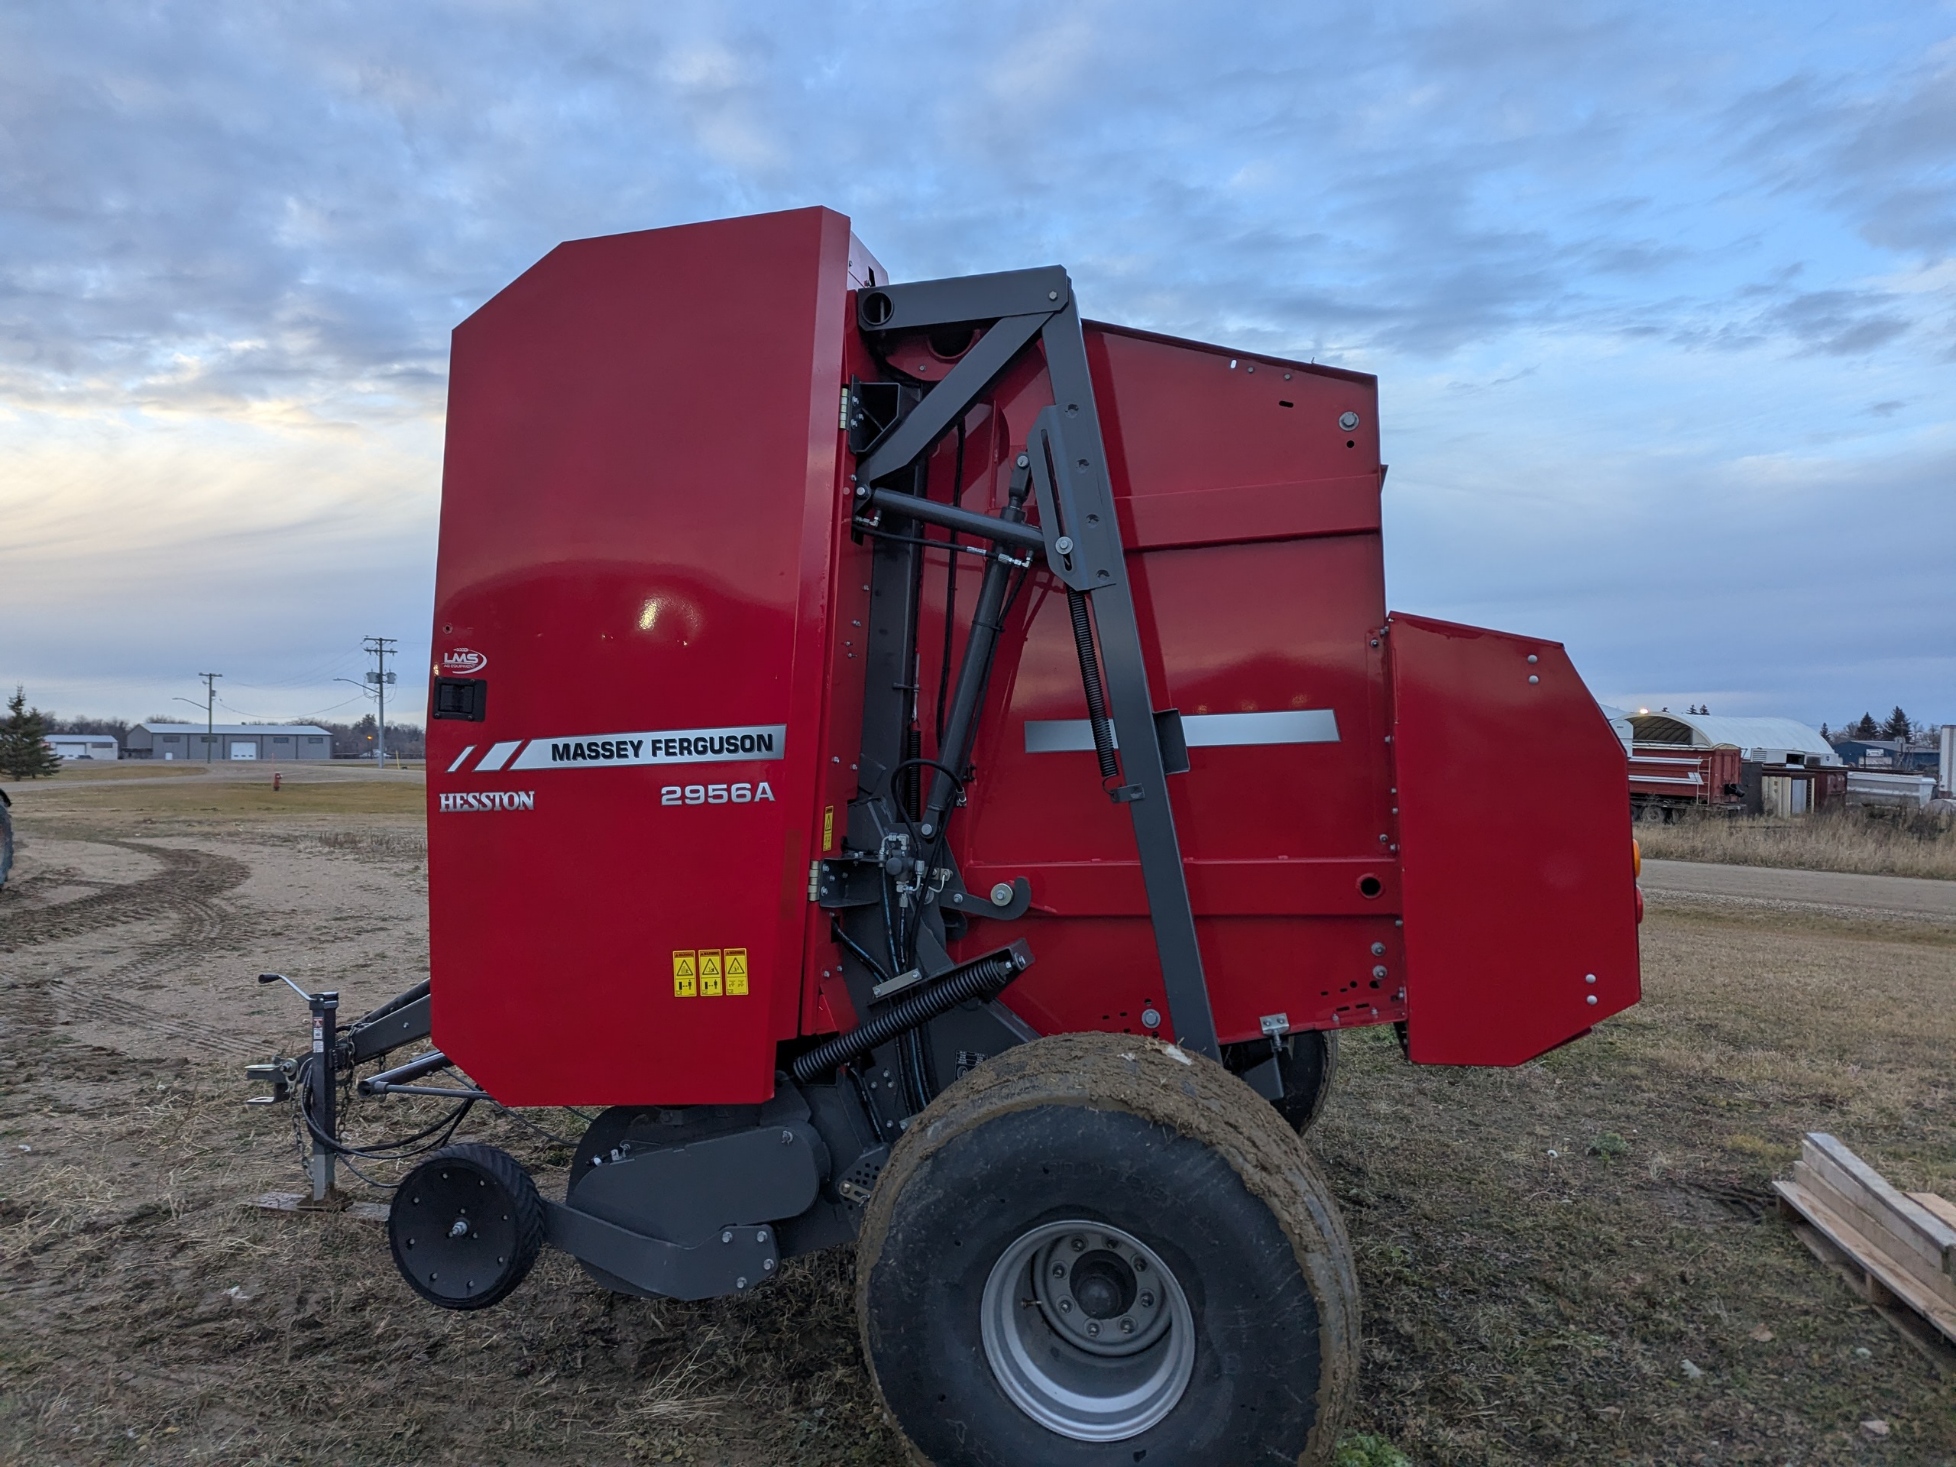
pixel 1542 1250
pixel 1875 842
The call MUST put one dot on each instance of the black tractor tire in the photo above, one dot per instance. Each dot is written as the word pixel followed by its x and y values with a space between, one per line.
pixel 1308 1064
pixel 485 1192
pixel 1171 1200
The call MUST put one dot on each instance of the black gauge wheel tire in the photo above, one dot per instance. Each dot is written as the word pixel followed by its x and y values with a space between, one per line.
pixel 466 1226
pixel 1109 1186
pixel 1308 1064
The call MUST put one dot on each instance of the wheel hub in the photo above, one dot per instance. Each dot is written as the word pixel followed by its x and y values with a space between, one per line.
pixel 1099 1289
pixel 1087 1330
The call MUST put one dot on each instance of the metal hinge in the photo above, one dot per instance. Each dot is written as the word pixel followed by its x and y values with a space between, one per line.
pixel 814 881
pixel 843 425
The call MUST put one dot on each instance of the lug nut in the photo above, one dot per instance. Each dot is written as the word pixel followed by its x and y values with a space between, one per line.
pixel 1147 1301
pixel 1127 1326
pixel 1093 1328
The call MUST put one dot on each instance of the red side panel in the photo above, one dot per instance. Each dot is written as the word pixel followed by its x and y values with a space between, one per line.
pixel 1520 899
pixel 1250 514
pixel 638 517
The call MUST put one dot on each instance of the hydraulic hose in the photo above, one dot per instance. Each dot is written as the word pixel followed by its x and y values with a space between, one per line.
pixel 984 977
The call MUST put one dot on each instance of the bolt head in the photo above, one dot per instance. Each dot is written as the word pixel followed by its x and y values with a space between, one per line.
pixel 726 1237
pixel 1064 545
pixel 1348 421
pixel 1002 894
pixel 1052 295
pixel 1592 998
pixel 1151 1018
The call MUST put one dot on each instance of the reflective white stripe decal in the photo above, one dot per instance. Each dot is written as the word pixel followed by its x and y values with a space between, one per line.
pixel 672 746
pixel 467 749
pixel 498 756
pixel 1202 730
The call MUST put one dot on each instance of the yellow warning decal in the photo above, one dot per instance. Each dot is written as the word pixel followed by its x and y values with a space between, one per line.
pixel 709 972
pixel 828 828
pixel 736 972
pixel 685 974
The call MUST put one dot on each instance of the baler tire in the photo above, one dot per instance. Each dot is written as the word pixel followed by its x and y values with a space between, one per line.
pixel 514 1221
pixel 1308 1068
pixel 1137 1151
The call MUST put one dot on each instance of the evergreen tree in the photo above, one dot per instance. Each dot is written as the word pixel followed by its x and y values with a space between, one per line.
pixel 1897 726
pixel 24 751
pixel 1867 728
pixel 1825 736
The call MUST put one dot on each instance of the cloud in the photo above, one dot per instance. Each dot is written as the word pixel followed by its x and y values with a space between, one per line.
pixel 1617 253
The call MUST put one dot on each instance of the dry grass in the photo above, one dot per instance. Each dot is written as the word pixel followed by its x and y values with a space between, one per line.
pixel 1541 1249
pixel 1873 842
pixel 228 792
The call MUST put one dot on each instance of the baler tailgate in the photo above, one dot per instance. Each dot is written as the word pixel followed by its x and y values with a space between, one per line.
pixel 1520 907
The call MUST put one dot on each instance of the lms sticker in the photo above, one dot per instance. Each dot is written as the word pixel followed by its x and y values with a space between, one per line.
pixel 463 662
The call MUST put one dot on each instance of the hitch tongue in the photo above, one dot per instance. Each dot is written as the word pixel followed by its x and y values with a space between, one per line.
pixel 277 1074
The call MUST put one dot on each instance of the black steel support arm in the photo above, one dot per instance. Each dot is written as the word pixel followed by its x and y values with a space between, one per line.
pixel 945 403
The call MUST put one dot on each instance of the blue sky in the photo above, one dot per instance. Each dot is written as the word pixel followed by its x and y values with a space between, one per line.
pixel 1662 297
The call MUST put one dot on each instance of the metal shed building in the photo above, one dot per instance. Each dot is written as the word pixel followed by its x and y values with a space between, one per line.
pixel 85 746
pixel 229 741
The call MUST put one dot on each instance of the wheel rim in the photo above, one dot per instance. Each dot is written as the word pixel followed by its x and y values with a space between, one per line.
pixel 1087 1330
pixel 457 1233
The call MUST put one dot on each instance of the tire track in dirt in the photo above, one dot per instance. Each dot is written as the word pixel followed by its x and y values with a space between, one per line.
pixel 189 879
pixel 186 890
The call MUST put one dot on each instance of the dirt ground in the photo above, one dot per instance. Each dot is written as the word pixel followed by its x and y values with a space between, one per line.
pixel 1542 1249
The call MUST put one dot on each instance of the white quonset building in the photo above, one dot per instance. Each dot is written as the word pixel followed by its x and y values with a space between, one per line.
pixel 1758 740
pixel 229 741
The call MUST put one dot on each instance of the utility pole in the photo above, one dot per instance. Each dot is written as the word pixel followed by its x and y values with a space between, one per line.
pixel 210 713
pixel 380 678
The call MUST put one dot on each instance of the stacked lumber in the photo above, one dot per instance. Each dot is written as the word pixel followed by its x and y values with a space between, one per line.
pixel 1897 1250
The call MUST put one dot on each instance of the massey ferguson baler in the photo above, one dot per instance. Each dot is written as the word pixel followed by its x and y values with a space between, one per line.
pixel 938 773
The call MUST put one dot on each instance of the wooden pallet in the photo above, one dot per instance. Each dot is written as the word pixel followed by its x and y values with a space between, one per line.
pixel 1897 1250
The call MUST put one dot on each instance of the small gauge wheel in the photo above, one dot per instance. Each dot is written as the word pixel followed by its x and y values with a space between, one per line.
pixel 466 1226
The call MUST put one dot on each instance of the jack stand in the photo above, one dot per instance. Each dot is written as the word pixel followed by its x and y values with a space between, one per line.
pixel 322 1098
